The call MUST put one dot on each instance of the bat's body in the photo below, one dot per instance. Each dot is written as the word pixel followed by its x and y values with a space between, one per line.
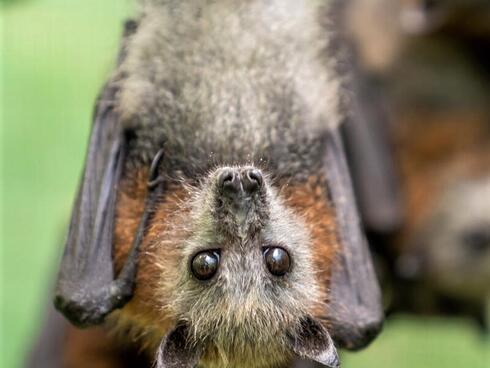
pixel 215 168
pixel 231 81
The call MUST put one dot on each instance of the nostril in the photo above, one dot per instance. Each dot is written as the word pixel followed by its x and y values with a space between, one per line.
pixel 252 180
pixel 255 175
pixel 477 240
pixel 229 181
pixel 225 176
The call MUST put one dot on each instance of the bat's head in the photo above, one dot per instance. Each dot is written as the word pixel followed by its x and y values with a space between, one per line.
pixel 239 270
pixel 246 287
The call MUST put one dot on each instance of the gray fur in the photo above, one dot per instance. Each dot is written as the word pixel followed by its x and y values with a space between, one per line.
pixel 231 82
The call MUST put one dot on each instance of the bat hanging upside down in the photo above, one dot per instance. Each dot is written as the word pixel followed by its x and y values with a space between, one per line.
pixel 215 223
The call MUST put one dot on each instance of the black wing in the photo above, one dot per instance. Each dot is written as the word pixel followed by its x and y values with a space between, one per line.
pixel 87 288
pixel 371 159
pixel 86 291
pixel 355 310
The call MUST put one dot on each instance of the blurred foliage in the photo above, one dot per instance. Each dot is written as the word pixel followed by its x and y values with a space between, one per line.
pixel 10 2
pixel 56 54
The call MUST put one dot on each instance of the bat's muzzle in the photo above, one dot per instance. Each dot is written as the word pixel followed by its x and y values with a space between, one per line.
pixel 234 183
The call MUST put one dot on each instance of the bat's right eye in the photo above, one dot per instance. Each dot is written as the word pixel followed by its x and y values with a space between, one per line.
pixel 205 264
pixel 277 260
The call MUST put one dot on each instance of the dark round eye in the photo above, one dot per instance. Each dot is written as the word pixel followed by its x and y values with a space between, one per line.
pixel 205 264
pixel 277 260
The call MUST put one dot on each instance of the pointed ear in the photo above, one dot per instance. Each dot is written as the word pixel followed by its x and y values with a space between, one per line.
pixel 176 352
pixel 355 309
pixel 312 341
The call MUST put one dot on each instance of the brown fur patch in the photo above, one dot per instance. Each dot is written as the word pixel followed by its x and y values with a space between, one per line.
pixel 144 311
pixel 95 348
pixel 310 201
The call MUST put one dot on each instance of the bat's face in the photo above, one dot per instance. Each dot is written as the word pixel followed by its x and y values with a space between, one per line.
pixel 448 192
pixel 247 273
pixel 239 266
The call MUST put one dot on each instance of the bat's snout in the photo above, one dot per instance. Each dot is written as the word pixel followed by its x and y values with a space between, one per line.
pixel 236 182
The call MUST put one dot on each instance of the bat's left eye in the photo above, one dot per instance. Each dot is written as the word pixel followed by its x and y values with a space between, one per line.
pixel 277 260
pixel 205 264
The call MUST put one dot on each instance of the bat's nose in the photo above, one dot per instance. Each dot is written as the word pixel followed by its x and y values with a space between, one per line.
pixel 229 182
pixel 233 182
pixel 252 180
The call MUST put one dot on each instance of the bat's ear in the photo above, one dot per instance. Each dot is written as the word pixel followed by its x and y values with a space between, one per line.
pixel 355 309
pixel 175 351
pixel 312 341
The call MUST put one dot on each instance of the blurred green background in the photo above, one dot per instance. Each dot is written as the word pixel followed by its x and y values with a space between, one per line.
pixel 55 56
